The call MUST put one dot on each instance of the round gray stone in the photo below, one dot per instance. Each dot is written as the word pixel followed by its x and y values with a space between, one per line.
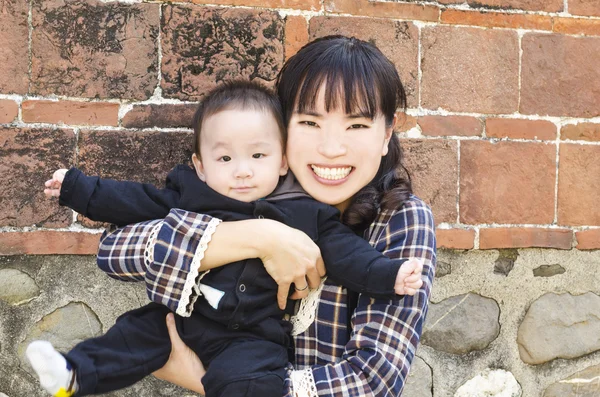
pixel 17 287
pixel 461 324
pixel 491 383
pixel 581 384
pixel 560 326
pixel 64 328
pixel 420 380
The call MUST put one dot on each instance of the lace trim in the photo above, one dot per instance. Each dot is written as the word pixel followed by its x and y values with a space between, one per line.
pixel 307 311
pixel 303 383
pixel 187 300
pixel 149 251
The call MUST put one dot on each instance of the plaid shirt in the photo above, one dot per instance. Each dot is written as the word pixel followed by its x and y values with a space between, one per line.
pixel 371 359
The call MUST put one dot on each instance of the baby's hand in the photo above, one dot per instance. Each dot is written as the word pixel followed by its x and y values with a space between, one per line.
pixel 408 280
pixel 53 185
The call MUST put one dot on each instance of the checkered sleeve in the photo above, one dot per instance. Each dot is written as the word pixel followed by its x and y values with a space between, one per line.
pixel 166 254
pixel 385 333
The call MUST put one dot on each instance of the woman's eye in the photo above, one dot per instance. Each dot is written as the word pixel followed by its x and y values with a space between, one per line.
pixel 309 123
pixel 356 126
pixel 257 155
pixel 225 159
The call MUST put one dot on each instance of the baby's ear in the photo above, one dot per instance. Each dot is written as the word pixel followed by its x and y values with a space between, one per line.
pixel 199 168
pixel 284 166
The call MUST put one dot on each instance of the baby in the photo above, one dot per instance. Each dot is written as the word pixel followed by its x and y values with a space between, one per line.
pixel 236 327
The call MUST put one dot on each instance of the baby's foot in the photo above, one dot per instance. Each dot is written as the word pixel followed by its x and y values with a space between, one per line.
pixel 55 373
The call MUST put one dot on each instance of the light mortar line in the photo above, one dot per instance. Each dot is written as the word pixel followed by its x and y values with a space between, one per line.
pixel 419 71
pixel 458 182
pixel 75 228
pixel 520 34
pixel 476 239
pixel 566 7
pixel 556 177
pixel 30 48
pixel 287 11
pixel 95 127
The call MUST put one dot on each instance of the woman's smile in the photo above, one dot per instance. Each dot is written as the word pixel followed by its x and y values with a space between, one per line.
pixel 331 173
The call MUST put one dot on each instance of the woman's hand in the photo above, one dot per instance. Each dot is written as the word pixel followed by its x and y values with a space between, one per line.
pixel 290 256
pixel 183 367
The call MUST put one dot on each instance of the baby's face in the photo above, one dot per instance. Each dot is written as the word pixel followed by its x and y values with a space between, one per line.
pixel 241 154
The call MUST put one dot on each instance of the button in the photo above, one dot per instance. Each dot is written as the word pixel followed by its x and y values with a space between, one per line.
pixel 242 288
pixel 235 326
pixel 261 217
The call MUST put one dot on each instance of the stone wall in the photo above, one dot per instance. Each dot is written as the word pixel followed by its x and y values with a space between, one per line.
pixel 501 135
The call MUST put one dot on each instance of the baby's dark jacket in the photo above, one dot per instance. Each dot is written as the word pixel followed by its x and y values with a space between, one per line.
pixel 349 259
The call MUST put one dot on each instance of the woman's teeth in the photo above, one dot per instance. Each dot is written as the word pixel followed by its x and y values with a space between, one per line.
pixel 331 173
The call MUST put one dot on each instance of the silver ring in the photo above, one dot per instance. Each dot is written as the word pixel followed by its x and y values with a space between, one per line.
pixel 302 289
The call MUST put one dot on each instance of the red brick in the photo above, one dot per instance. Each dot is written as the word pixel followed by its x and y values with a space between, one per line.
pixel 69 112
pixel 581 132
pixel 405 122
pixel 526 5
pixel 579 185
pixel 385 9
pixel 9 110
pixel 14 33
pixel 520 129
pixel 496 19
pixel 451 125
pixel 516 237
pixel 588 27
pixel 461 73
pixel 94 49
pixel 588 239
pixel 202 46
pixel 142 156
pixel 460 239
pixel 560 75
pixel 162 116
pixel 433 166
pixel 507 182
pixel 48 243
pixel 584 7
pixel 293 4
pixel 296 34
pixel 28 157
pixel 397 40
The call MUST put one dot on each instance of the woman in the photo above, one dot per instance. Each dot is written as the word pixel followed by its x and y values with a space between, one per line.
pixel 339 97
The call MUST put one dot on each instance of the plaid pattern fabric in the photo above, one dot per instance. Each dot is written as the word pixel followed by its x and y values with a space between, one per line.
pixel 371 360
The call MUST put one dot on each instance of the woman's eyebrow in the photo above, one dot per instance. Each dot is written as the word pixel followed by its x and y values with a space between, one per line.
pixel 359 115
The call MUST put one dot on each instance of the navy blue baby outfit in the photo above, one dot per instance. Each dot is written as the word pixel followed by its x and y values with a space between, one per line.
pixel 243 341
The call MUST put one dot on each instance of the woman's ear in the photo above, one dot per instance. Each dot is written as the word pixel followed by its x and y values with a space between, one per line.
pixel 284 166
pixel 199 168
pixel 388 135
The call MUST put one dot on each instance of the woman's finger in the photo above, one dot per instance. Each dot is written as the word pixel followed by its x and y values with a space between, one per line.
pixel 282 295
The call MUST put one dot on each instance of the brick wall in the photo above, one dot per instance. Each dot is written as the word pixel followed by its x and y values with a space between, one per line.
pixel 501 135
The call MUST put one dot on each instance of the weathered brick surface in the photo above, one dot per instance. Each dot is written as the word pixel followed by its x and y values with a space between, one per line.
pixel 560 75
pixel 581 132
pixel 48 243
pixel 588 239
pixel 579 185
pixel 520 129
pixel 588 27
pixel 28 157
pixel 205 45
pixel 460 239
pixel 496 19
pixel 515 237
pixel 383 9
pixel 461 73
pixel 527 5
pixel 142 156
pixel 507 182
pixel 405 122
pixel 296 34
pixel 451 125
pixel 294 4
pixel 89 48
pixel 14 56
pixel 433 166
pixel 9 110
pixel 584 7
pixel 161 116
pixel 70 112
pixel 397 40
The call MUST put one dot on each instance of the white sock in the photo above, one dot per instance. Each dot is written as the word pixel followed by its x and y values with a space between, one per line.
pixel 55 373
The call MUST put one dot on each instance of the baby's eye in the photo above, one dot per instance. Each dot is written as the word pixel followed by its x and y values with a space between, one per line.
pixel 309 123
pixel 225 159
pixel 258 155
pixel 355 126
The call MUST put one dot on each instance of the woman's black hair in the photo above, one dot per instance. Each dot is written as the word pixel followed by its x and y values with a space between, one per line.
pixel 360 78
pixel 240 95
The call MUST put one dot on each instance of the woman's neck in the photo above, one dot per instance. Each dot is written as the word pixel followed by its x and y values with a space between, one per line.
pixel 343 206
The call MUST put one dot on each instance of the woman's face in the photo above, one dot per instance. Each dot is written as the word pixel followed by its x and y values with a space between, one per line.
pixel 334 154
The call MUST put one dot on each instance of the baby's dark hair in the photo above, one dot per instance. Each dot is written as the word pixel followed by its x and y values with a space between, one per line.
pixel 238 95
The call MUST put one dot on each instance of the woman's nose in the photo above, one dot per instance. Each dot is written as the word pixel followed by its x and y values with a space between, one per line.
pixel 332 145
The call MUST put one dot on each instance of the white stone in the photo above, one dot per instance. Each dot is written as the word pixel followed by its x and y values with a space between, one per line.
pixel 491 383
